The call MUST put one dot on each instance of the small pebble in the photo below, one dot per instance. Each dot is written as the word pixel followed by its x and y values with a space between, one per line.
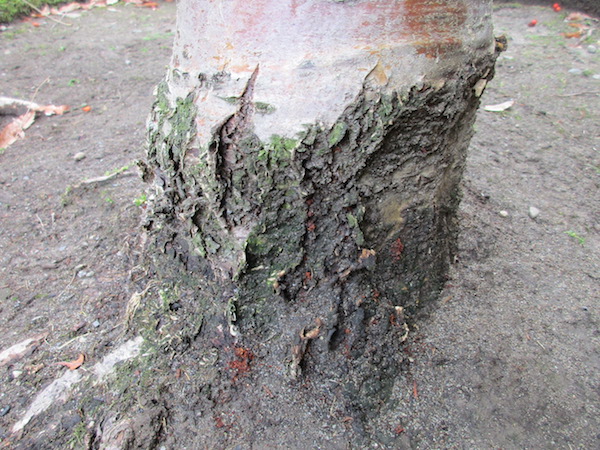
pixel 4 411
pixel 592 49
pixel 17 373
pixel 575 71
pixel 95 323
pixel 596 76
pixel 79 156
pixel 533 212
pixel 503 213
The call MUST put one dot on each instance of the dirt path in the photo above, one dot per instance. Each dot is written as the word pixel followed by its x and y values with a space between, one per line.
pixel 509 358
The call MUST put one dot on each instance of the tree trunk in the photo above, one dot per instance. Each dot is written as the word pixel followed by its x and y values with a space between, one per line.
pixel 306 159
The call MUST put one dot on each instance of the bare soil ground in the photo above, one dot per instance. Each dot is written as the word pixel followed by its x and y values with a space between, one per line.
pixel 509 356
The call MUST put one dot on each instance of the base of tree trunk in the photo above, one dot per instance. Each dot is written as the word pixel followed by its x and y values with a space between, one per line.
pixel 280 319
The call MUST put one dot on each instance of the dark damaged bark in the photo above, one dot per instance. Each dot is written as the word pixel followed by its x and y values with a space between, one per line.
pixel 296 261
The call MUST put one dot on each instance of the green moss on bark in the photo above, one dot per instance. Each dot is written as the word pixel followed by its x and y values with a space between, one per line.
pixel 325 242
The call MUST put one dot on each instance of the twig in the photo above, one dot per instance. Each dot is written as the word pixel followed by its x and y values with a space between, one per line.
pixel 39 87
pixel 77 269
pixel 10 105
pixel 40 12
pixel 101 179
pixel 41 223
pixel 539 343
pixel 580 93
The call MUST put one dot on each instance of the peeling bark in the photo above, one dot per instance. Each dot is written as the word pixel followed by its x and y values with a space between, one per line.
pixel 310 250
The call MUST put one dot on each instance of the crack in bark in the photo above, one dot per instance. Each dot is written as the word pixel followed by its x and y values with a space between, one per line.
pixel 228 158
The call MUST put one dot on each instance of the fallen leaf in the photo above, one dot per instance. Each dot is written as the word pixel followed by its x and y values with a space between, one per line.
pixel 399 429
pixel 313 333
pixel 16 129
pixel 577 16
pixel 93 4
pixel 72 365
pixel 50 110
pixel 366 253
pixel 575 34
pixel 579 26
pixel 499 107
pixel 70 7
pixel 13 106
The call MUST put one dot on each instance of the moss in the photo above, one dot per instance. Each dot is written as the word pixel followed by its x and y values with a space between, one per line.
pixel 353 221
pixel 231 100
pixel 282 147
pixel 387 106
pixel 257 245
pixel 133 379
pixel 277 152
pixel 264 108
pixel 14 9
pixel 173 128
pixel 337 133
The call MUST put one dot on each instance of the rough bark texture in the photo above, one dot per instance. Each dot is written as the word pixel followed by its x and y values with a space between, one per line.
pixel 296 261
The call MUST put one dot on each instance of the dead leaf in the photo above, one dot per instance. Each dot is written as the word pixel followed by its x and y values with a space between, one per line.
pixel 13 106
pixel 575 34
pixel 50 110
pixel 72 365
pixel 70 7
pixel 312 333
pixel 366 253
pixel 16 129
pixel 576 17
pixel 499 107
pixel 579 26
